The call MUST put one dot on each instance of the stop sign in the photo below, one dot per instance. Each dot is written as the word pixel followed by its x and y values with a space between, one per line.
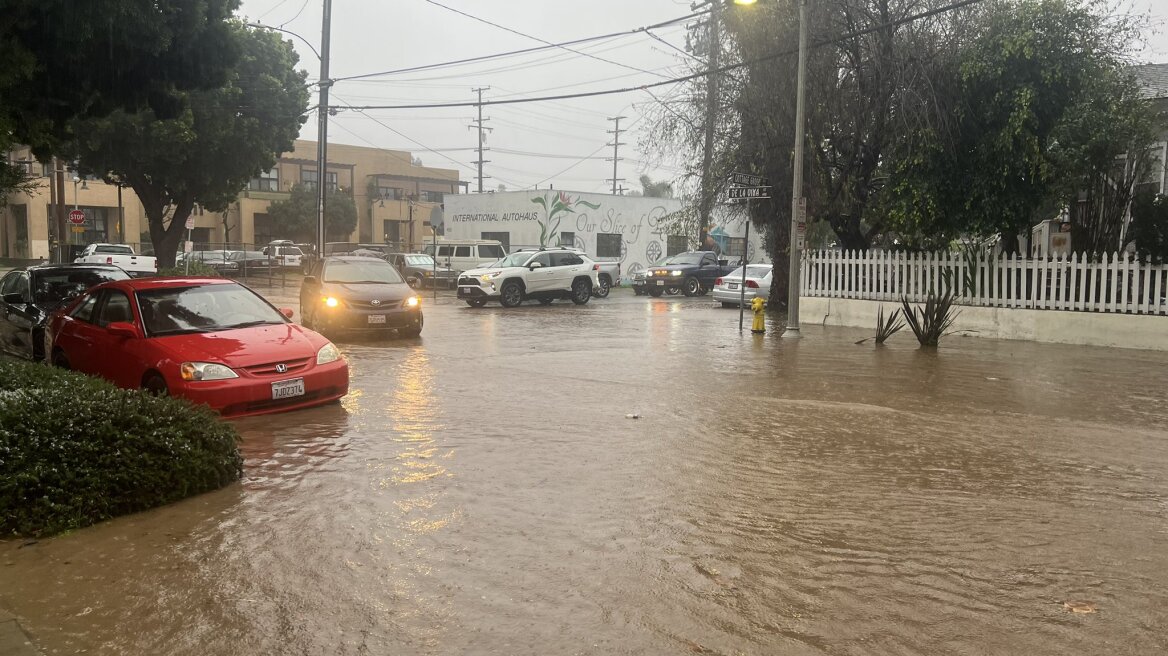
pixel 76 217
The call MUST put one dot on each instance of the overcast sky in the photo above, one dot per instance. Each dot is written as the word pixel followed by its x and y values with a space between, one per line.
pixel 561 142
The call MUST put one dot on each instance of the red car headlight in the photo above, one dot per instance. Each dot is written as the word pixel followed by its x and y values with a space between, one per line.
pixel 205 371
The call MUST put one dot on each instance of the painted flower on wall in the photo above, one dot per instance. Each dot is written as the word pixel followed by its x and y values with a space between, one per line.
pixel 554 205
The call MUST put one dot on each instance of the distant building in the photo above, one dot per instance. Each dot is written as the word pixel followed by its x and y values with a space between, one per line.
pixel 394 198
pixel 1154 80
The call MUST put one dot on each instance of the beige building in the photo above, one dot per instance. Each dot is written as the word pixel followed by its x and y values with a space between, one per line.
pixel 394 199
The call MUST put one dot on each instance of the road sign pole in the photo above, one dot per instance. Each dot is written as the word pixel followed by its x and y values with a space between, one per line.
pixel 742 288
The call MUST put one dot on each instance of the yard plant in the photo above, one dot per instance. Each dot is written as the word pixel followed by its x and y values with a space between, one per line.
pixel 931 322
pixel 76 450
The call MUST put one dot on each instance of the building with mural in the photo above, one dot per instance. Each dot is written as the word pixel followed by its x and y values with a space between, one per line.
pixel 633 230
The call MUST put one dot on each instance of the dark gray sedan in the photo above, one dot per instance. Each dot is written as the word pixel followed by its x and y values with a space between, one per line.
pixel 29 295
pixel 420 271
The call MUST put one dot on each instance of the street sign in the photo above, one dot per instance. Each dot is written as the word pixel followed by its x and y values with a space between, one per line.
pixel 188 246
pixel 190 223
pixel 437 219
pixel 803 210
pixel 801 228
pixel 76 217
pixel 748 192
pixel 748 180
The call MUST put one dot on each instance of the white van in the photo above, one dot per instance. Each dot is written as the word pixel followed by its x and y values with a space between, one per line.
pixel 465 254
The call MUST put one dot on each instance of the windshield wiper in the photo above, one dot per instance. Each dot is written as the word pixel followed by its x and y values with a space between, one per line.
pixel 358 282
pixel 258 322
pixel 181 331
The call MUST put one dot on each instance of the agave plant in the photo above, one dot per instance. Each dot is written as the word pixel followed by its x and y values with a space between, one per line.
pixel 886 329
pixel 934 319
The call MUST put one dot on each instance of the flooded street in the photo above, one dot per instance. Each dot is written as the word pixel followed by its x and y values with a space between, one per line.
pixel 482 491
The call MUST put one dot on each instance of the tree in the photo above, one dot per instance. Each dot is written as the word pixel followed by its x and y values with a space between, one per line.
pixel 650 189
pixel 1149 226
pixel 297 217
pixel 1042 107
pixel 63 60
pixel 209 151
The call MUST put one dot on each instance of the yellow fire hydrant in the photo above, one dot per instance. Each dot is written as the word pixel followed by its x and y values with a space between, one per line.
pixel 758 324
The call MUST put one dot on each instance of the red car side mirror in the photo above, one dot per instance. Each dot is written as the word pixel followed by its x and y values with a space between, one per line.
pixel 123 329
pixel 287 312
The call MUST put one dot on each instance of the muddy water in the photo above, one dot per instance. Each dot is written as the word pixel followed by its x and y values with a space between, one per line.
pixel 482 491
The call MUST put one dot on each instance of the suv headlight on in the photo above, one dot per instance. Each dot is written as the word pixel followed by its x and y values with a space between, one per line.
pixel 490 275
pixel 675 273
pixel 205 371
pixel 328 353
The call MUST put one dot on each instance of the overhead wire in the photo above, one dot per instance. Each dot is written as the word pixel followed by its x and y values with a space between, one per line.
pixel 692 76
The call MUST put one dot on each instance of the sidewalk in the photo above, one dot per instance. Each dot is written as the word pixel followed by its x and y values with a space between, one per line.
pixel 13 641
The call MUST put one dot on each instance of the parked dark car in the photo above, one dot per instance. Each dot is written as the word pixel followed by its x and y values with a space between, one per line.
pixel 218 260
pixel 30 295
pixel 420 270
pixel 346 293
pixel 252 262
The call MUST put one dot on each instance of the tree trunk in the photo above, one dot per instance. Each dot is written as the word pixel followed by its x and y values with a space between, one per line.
pixel 164 235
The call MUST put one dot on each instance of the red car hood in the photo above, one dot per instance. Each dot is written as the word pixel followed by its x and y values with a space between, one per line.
pixel 244 347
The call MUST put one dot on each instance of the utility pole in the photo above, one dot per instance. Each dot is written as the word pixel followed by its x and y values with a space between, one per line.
pixel 798 203
pixel 479 124
pixel 706 201
pixel 322 129
pixel 616 144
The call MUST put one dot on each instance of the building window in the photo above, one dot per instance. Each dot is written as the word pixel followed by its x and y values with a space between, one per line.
pixel 567 239
pixel 390 193
pixel 608 245
pixel 267 181
pixel 736 246
pixel 501 237
pixel 676 244
pixel 309 178
pixel 432 196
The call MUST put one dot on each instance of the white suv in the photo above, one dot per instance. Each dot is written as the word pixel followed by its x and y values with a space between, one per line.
pixel 543 275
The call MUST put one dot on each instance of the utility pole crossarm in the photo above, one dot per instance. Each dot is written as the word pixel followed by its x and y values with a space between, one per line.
pixel 479 124
pixel 616 144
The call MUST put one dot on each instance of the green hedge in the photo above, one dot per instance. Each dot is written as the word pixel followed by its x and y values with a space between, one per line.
pixel 76 450
pixel 196 269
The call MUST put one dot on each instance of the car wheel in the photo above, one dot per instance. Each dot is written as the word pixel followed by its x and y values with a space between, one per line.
pixel 412 331
pixel 546 301
pixel 60 361
pixel 414 282
pixel 155 385
pixel 511 295
pixel 581 291
pixel 602 290
pixel 673 291
pixel 692 287
pixel 655 292
pixel 476 302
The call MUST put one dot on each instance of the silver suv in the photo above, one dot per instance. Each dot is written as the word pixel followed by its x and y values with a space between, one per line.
pixel 543 275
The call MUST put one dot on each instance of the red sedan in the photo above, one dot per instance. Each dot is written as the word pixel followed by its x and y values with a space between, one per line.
pixel 210 340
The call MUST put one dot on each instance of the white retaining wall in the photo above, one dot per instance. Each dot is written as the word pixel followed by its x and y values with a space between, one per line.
pixel 1055 326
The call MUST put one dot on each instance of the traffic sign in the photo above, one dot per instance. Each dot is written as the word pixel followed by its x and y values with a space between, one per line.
pixel 76 217
pixel 748 180
pixel 190 223
pixel 748 192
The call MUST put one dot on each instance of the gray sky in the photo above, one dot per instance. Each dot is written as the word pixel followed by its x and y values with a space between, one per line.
pixel 531 143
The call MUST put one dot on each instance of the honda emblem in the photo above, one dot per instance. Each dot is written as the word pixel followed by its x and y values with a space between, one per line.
pixel 281 368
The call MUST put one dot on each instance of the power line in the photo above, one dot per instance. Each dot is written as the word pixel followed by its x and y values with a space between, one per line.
pixel 536 38
pixel 457 62
pixel 692 76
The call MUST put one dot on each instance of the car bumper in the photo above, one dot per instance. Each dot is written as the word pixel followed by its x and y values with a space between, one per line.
pixel 476 291
pixel 663 283
pixel 252 395
pixel 734 295
pixel 367 319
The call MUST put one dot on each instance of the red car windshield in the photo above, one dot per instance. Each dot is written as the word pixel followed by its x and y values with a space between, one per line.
pixel 204 309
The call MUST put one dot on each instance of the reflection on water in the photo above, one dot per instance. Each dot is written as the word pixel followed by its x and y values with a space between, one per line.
pixel 481 491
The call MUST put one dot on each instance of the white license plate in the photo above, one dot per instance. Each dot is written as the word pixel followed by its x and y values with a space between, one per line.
pixel 733 285
pixel 660 283
pixel 285 389
pixel 377 318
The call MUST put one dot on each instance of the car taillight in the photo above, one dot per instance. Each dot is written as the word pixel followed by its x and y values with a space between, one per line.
pixel 718 281
pixel 752 284
pixel 109 259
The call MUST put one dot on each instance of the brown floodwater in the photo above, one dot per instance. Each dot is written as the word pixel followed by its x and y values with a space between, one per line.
pixel 482 491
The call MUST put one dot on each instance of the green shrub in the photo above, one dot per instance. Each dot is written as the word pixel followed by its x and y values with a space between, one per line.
pixel 76 450
pixel 198 269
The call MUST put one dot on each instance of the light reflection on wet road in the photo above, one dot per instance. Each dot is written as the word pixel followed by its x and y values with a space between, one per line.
pixel 482 491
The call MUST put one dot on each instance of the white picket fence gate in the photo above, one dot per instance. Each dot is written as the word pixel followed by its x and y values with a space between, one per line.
pixel 1113 283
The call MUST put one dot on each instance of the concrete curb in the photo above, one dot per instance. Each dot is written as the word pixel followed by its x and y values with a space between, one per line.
pixel 13 640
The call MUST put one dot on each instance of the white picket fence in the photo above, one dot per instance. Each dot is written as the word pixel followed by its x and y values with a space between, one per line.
pixel 1113 283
